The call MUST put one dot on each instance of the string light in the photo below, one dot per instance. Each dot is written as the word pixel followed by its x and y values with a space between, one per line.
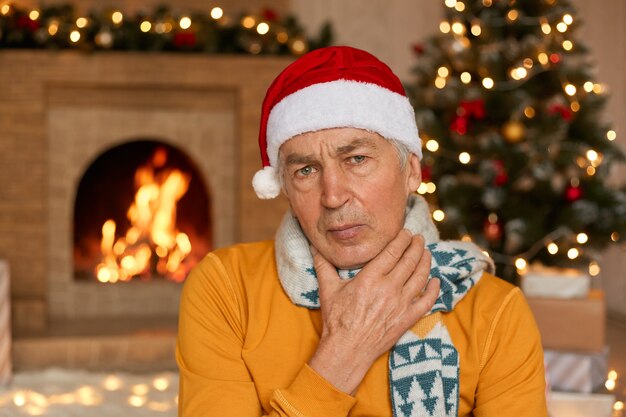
pixel 464 158
pixel 145 26
pixel 443 71
pixel 545 28
pixel 117 17
pixel 570 89
pixel 248 22
pixel 185 22
pixel 459 6
pixel 466 238
pixel 582 238
pixel 597 88
pixel 450 3
pixel 575 106
pixel 458 28
pixel 432 145
pixel 5 9
pixel 618 406
pixel 594 269
pixel 217 13
pixel 521 264
pixel 610 384
pixel 561 27
pixel 568 19
pixel 438 215
pixel 529 112
pixel 81 22
pixel 282 37
pixel 262 28
pixel 444 26
pixel 422 189
pixel 476 29
pixel 34 15
pixel 568 45
pixel 553 248
pixel 592 155
pixel 431 188
pixel 512 15
pixel 528 63
pixel 591 171
pixel 611 135
pixel 573 253
pixel 75 36
pixel 488 83
pixel 53 28
pixel 543 58
pixel 466 77
pixel 614 236
pixel 487 3
pixel 440 82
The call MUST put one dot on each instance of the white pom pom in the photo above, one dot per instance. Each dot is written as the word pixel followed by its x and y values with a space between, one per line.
pixel 266 184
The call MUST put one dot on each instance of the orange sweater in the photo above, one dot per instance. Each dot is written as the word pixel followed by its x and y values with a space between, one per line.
pixel 243 346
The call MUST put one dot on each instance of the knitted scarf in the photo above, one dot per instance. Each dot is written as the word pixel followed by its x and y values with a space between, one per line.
pixel 423 364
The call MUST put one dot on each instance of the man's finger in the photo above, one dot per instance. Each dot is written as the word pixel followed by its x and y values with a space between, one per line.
pixel 412 258
pixel 422 304
pixel 327 276
pixel 387 259
pixel 416 282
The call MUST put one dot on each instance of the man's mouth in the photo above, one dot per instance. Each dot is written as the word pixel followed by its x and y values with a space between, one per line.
pixel 346 231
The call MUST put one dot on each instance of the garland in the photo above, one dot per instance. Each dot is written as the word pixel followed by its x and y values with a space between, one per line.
pixel 59 27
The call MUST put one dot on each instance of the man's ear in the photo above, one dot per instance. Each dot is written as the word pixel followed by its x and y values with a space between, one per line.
pixel 414 178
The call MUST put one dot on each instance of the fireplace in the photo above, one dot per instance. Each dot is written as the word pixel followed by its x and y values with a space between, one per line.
pixel 142 212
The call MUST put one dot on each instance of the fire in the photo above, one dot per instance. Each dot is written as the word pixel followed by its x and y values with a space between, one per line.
pixel 152 243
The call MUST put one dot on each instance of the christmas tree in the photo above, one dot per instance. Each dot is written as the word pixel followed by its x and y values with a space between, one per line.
pixel 517 154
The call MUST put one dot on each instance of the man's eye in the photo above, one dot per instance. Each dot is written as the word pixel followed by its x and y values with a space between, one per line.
pixel 305 171
pixel 357 159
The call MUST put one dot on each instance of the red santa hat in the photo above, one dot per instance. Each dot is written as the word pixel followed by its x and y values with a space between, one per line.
pixel 332 87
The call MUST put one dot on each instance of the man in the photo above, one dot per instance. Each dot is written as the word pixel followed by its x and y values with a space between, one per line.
pixel 356 308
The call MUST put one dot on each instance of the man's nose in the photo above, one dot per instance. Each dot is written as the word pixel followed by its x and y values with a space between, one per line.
pixel 335 187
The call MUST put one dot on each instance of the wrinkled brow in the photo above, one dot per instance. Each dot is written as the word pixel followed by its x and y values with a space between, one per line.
pixel 305 159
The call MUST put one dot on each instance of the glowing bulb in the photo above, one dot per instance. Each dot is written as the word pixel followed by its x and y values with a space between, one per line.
pixel 81 22
pixel 5 9
pixel 611 135
pixel 487 3
pixel 618 406
pixel 117 17
pixel 488 83
pixel 466 238
pixel 440 82
pixel 443 71
pixel 432 145
pixel 582 238
pixel 575 106
pixel 422 189
pixel 573 253
pixel 594 269
pixel 185 22
pixel 614 236
pixel 528 63
pixel 597 88
pixel 512 15
pixel 19 399
pixel 464 158
pixel 53 28
pixel 248 22
pixel 262 28
pixel 592 155
pixel 145 26
pixel 75 36
pixel 520 263
pixel 610 384
pixel 444 27
pixel 33 15
pixel 438 215
pixel 590 171
pixel 561 27
pixel 612 375
pixel 476 29
pixel 459 6
pixel 543 58
pixel 458 28
pixel 570 89
pixel 136 400
pixel 112 383
pixel 450 3
pixel 431 187
pixel 568 19
pixel 521 73
pixel 553 248
pixel 568 45
pixel 217 13
pixel 466 77
pixel 545 28
pixel 529 112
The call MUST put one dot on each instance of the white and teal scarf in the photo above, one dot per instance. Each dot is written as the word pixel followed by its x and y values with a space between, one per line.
pixel 424 364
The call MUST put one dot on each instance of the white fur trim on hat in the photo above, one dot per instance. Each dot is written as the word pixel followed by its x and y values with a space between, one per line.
pixel 342 103
pixel 266 183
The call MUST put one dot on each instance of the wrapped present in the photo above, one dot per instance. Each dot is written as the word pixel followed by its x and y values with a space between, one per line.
pixel 564 404
pixel 542 281
pixel 574 324
pixel 575 371
pixel 5 325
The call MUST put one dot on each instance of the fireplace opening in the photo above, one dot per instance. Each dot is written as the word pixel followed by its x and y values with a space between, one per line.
pixel 142 212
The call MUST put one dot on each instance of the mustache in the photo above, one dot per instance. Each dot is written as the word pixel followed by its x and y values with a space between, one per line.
pixel 339 217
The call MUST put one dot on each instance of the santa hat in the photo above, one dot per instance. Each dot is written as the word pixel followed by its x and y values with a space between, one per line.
pixel 332 87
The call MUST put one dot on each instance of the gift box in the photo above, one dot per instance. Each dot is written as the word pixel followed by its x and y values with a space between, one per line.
pixel 575 371
pixel 542 281
pixel 5 325
pixel 577 324
pixel 561 404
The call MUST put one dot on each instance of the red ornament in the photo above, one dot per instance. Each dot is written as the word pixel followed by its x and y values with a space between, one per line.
pixel 269 15
pixel 501 176
pixel 459 125
pixel 573 193
pixel 426 173
pixel 184 39
pixel 492 231
pixel 555 58
pixel 418 49
pixel 563 111
pixel 472 108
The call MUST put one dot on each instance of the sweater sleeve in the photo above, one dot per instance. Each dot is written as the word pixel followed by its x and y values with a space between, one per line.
pixel 512 377
pixel 214 379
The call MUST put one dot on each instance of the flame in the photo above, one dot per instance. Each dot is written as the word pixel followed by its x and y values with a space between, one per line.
pixel 152 242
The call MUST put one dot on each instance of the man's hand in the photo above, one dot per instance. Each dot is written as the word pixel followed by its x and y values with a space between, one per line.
pixel 364 317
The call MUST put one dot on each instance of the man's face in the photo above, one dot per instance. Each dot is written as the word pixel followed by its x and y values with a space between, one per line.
pixel 348 191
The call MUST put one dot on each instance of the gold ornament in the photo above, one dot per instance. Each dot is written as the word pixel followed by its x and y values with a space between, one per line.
pixel 513 131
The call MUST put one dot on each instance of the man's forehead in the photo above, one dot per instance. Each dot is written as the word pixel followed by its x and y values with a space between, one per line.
pixel 335 141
